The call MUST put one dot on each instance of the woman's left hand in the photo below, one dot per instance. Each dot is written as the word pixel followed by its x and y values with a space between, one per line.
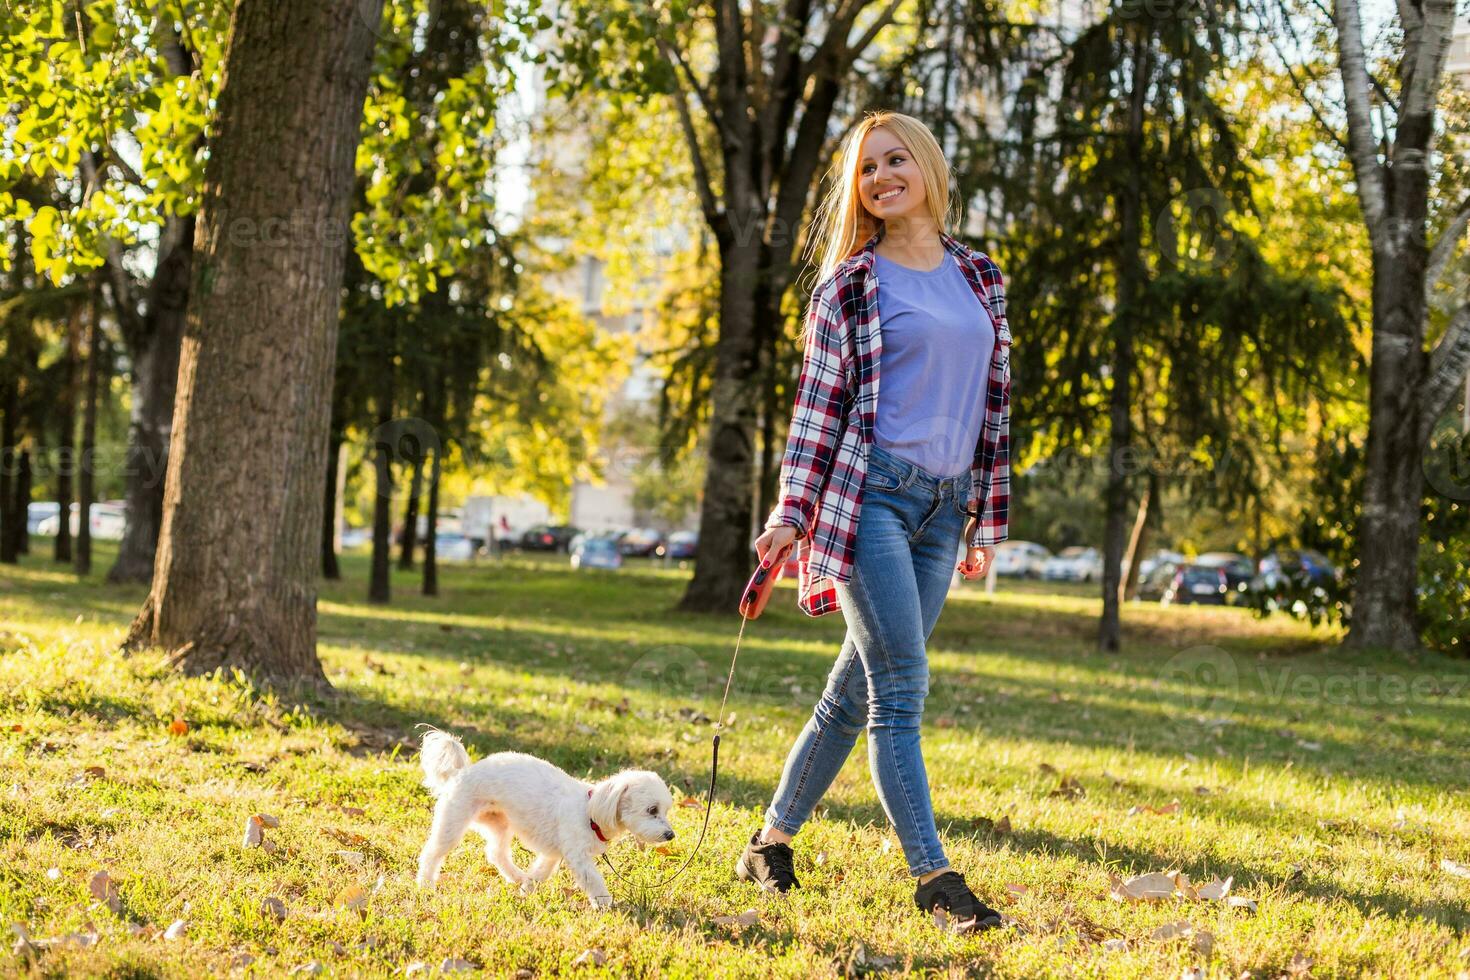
pixel 977 560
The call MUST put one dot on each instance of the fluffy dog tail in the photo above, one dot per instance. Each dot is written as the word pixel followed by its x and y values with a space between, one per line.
pixel 442 755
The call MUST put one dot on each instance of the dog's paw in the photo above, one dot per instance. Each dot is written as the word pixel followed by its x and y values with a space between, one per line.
pixel 602 901
pixel 529 886
pixel 427 881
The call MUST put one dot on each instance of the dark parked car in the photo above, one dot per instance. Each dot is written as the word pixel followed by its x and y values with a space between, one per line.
pixel 641 542
pixel 1197 583
pixel 1157 582
pixel 1239 571
pixel 548 537
pixel 1294 564
pixel 681 544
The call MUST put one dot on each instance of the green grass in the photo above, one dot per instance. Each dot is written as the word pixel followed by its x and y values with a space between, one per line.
pixel 1330 785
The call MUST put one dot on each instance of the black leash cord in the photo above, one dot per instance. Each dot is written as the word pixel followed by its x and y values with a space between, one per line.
pixel 714 773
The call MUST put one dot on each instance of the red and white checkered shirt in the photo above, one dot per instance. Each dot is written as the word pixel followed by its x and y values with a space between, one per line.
pixel 827 446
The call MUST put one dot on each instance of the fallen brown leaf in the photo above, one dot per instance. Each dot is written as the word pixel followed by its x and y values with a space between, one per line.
pixel 273 908
pixel 591 957
pixel 178 727
pixel 1152 887
pixel 747 918
pixel 351 897
pixel 104 890
pixel 1451 868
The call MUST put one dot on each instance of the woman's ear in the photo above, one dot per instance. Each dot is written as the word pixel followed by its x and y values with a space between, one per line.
pixel 602 808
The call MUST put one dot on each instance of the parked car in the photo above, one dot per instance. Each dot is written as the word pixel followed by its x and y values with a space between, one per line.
pixel 355 537
pixel 592 552
pixel 1238 569
pixel 37 512
pixel 1023 559
pixel 1156 581
pixel 680 545
pixel 1197 583
pixel 1173 559
pixel 452 546
pixel 548 537
pixel 641 542
pixel 108 521
pixel 1074 564
pixel 1293 562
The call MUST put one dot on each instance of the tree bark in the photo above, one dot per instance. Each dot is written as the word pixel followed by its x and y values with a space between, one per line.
pixel 1385 599
pixel 23 479
pixel 331 568
pixel 431 556
pixel 411 515
pixel 1130 281
pixel 380 582
pixel 235 576
pixel 87 473
pixel 8 438
pixel 66 442
pixel 1138 542
pixel 155 357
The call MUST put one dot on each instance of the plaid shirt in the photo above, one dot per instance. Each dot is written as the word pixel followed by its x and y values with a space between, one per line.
pixel 827 447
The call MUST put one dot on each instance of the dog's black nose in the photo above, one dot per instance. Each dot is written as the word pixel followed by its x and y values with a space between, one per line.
pixel 668 835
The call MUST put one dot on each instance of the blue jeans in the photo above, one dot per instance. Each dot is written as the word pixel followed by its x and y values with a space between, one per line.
pixel 909 532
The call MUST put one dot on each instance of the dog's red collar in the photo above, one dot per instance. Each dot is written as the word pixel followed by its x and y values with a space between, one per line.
pixel 596 829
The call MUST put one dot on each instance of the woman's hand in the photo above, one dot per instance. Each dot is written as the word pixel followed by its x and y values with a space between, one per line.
pixel 977 560
pixel 773 541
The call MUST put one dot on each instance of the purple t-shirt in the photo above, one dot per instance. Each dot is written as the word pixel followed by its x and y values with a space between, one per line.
pixel 935 365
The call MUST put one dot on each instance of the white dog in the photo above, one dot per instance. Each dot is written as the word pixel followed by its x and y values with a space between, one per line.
pixel 511 794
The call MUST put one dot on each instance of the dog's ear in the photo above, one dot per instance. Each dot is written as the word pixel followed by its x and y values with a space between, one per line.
pixel 607 795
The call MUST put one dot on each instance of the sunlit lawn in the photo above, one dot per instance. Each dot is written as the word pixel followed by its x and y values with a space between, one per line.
pixel 1329 786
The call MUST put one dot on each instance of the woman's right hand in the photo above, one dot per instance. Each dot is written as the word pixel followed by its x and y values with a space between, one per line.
pixel 773 541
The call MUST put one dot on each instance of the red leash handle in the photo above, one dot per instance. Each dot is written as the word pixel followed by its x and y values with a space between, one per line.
pixel 758 589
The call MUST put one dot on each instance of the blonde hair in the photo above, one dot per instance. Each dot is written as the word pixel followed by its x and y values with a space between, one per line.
pixel 842 224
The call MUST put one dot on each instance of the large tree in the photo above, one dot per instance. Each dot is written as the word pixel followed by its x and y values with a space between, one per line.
pixel 756 87
pixel 1391 131
pixel 235 576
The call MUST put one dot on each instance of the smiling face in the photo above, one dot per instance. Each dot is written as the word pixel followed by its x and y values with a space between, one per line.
pixel 644 808
pixel 890 183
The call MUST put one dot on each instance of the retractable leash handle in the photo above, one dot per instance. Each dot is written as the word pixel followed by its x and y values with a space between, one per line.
pixel 758 590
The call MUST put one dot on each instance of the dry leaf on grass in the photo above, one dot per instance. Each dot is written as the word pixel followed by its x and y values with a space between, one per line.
pixel 1158 811
pixel 745 919
pixel 54 874
pixel 273 908
pixel 1115 945
pixel 175 930
pixel 309 969
pixel 1215 891
pixel 254 832
pixel 1450 867
pixel 1017 890
pixel 178 727
pixel 1172 930
pixel 1069 788
pixel 351 897
pixel 1152 887
pixel 1241 902
pixel 591 957
pixel 691 802
pixel 455 964
pixel 104 890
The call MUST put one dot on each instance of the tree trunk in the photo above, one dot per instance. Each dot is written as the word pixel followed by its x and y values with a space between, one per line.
pixel 380 583
pixel 331 569
pixel 411 515
pixel 1130 282
pixel 23 479
pixel 1384 598
pixel 87 474
pixel 431 563
pixel 235 577
pixel 66 442
pixel 155 384
pixel 8 540
pixel 1138 541
pixel 725 557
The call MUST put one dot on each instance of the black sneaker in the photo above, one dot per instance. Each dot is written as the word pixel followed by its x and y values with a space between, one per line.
pixel 768 865
pixel 950 893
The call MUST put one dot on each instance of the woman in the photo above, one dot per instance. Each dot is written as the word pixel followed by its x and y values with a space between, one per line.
pixel 879 485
